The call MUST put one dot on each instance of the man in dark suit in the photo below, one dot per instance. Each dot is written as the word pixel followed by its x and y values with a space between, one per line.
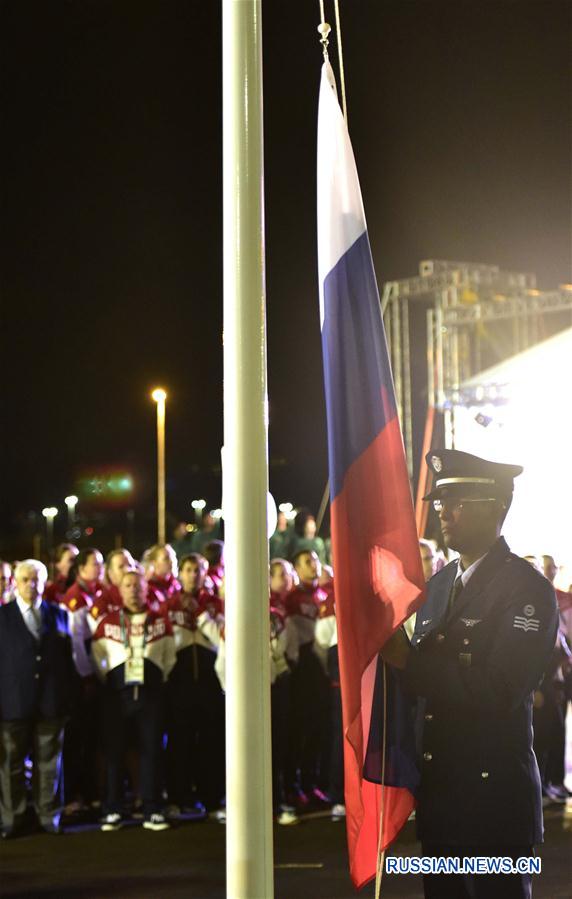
pixel 37 681
pixel 481 643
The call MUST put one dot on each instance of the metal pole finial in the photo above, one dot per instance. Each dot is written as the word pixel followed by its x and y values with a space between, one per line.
pixel 324 31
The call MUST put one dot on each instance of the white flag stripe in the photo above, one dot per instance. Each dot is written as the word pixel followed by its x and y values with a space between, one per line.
pixel 341 217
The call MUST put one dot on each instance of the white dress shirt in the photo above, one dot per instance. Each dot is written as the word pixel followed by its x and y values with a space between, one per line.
pixel 31 615
pixel 468 572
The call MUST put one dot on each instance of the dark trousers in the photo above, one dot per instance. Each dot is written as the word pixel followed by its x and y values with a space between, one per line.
pixel 44 738
pixel 336 787
pixel 141 709
pixel 550 733
pixel 81 741
pixel 477 886
pixel 309 686
pixel 195 728
pixel 280 705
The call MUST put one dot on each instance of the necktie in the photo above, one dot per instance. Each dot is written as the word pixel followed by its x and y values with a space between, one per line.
pixel 34 622
pixel 454 595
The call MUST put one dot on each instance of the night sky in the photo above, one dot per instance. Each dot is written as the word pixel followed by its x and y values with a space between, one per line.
pixel 111 269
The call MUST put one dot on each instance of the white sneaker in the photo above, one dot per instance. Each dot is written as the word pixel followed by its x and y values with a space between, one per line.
pixel 287 816
pixel 338 811
pixel 156 822
pixel 111 822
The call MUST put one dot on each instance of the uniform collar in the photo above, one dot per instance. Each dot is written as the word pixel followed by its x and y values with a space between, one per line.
pixel 466 573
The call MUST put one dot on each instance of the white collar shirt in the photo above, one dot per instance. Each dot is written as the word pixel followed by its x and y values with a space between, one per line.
pixel 467 573
pixel 31 614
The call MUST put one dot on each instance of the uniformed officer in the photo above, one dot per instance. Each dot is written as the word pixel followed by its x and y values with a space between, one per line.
pixel 482 640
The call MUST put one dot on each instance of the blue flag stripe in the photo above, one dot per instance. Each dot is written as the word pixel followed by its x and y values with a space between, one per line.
pixel 355 359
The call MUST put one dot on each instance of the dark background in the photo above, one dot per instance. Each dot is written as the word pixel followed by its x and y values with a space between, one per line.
pixel 111 267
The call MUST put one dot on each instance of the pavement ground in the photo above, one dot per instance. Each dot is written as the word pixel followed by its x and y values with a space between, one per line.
pixel 189 861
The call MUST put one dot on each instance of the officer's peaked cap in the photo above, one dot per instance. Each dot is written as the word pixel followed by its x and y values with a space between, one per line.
pixel 455 469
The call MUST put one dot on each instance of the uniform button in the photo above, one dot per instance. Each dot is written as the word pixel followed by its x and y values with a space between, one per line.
pixel 466 642
pixel 484 774
pixel 38 658
pixel 429 717
pixel 440 638
pixel 427 756
pixel 36 676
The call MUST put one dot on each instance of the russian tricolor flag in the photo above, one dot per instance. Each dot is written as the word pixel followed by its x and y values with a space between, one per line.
pixel 379 581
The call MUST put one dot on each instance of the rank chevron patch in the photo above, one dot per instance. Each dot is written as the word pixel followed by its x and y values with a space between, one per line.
pixel 526 624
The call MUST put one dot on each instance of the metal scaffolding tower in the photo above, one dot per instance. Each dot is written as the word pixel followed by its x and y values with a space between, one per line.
pixel 471 311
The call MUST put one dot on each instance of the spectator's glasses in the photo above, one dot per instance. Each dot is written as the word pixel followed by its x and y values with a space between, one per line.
pixel 455 505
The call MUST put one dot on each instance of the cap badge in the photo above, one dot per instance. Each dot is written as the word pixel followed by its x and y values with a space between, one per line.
pixel 436 463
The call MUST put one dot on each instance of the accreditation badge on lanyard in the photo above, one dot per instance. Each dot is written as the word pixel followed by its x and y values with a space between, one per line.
pixel 134 663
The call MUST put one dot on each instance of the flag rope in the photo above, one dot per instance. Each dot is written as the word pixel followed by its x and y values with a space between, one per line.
pixel 341 59
pixel 380 852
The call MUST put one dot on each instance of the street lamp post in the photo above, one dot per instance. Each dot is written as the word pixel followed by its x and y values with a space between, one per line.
pixel 160 395
pixel 71 502
pixel 198 505
pixel 49 514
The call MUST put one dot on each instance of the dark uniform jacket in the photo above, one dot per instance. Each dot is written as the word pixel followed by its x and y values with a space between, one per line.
pixel 37 677
pixel 476 669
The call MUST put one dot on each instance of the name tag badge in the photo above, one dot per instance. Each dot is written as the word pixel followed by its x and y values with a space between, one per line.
pixel 134 670
pixel 465 659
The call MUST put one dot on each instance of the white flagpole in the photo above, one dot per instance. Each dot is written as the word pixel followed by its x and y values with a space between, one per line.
pixel 249 849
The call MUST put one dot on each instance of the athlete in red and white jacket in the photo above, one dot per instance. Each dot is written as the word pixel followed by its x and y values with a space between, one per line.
pixel 281 582
pixel 133 639
pixel 303 603
pixel 134 651
pixel 86 591
pixel 195 749
pixel 117 562
pixel 196 614
pixel 309 684
pixel 64 557
pixel 160 563
pixel 326 627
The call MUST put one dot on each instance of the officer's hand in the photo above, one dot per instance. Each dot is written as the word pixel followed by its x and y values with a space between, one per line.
pixel 396 651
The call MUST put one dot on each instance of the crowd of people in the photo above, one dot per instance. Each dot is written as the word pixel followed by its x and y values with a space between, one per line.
pixel 122 663
pixel 117 667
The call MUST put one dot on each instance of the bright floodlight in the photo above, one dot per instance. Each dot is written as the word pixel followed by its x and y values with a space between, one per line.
pixel 159 395
pixel 532 428
pixel 199 503
pixel 49 512
pixel 216 514
pixel 71 501
pixel 285 507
